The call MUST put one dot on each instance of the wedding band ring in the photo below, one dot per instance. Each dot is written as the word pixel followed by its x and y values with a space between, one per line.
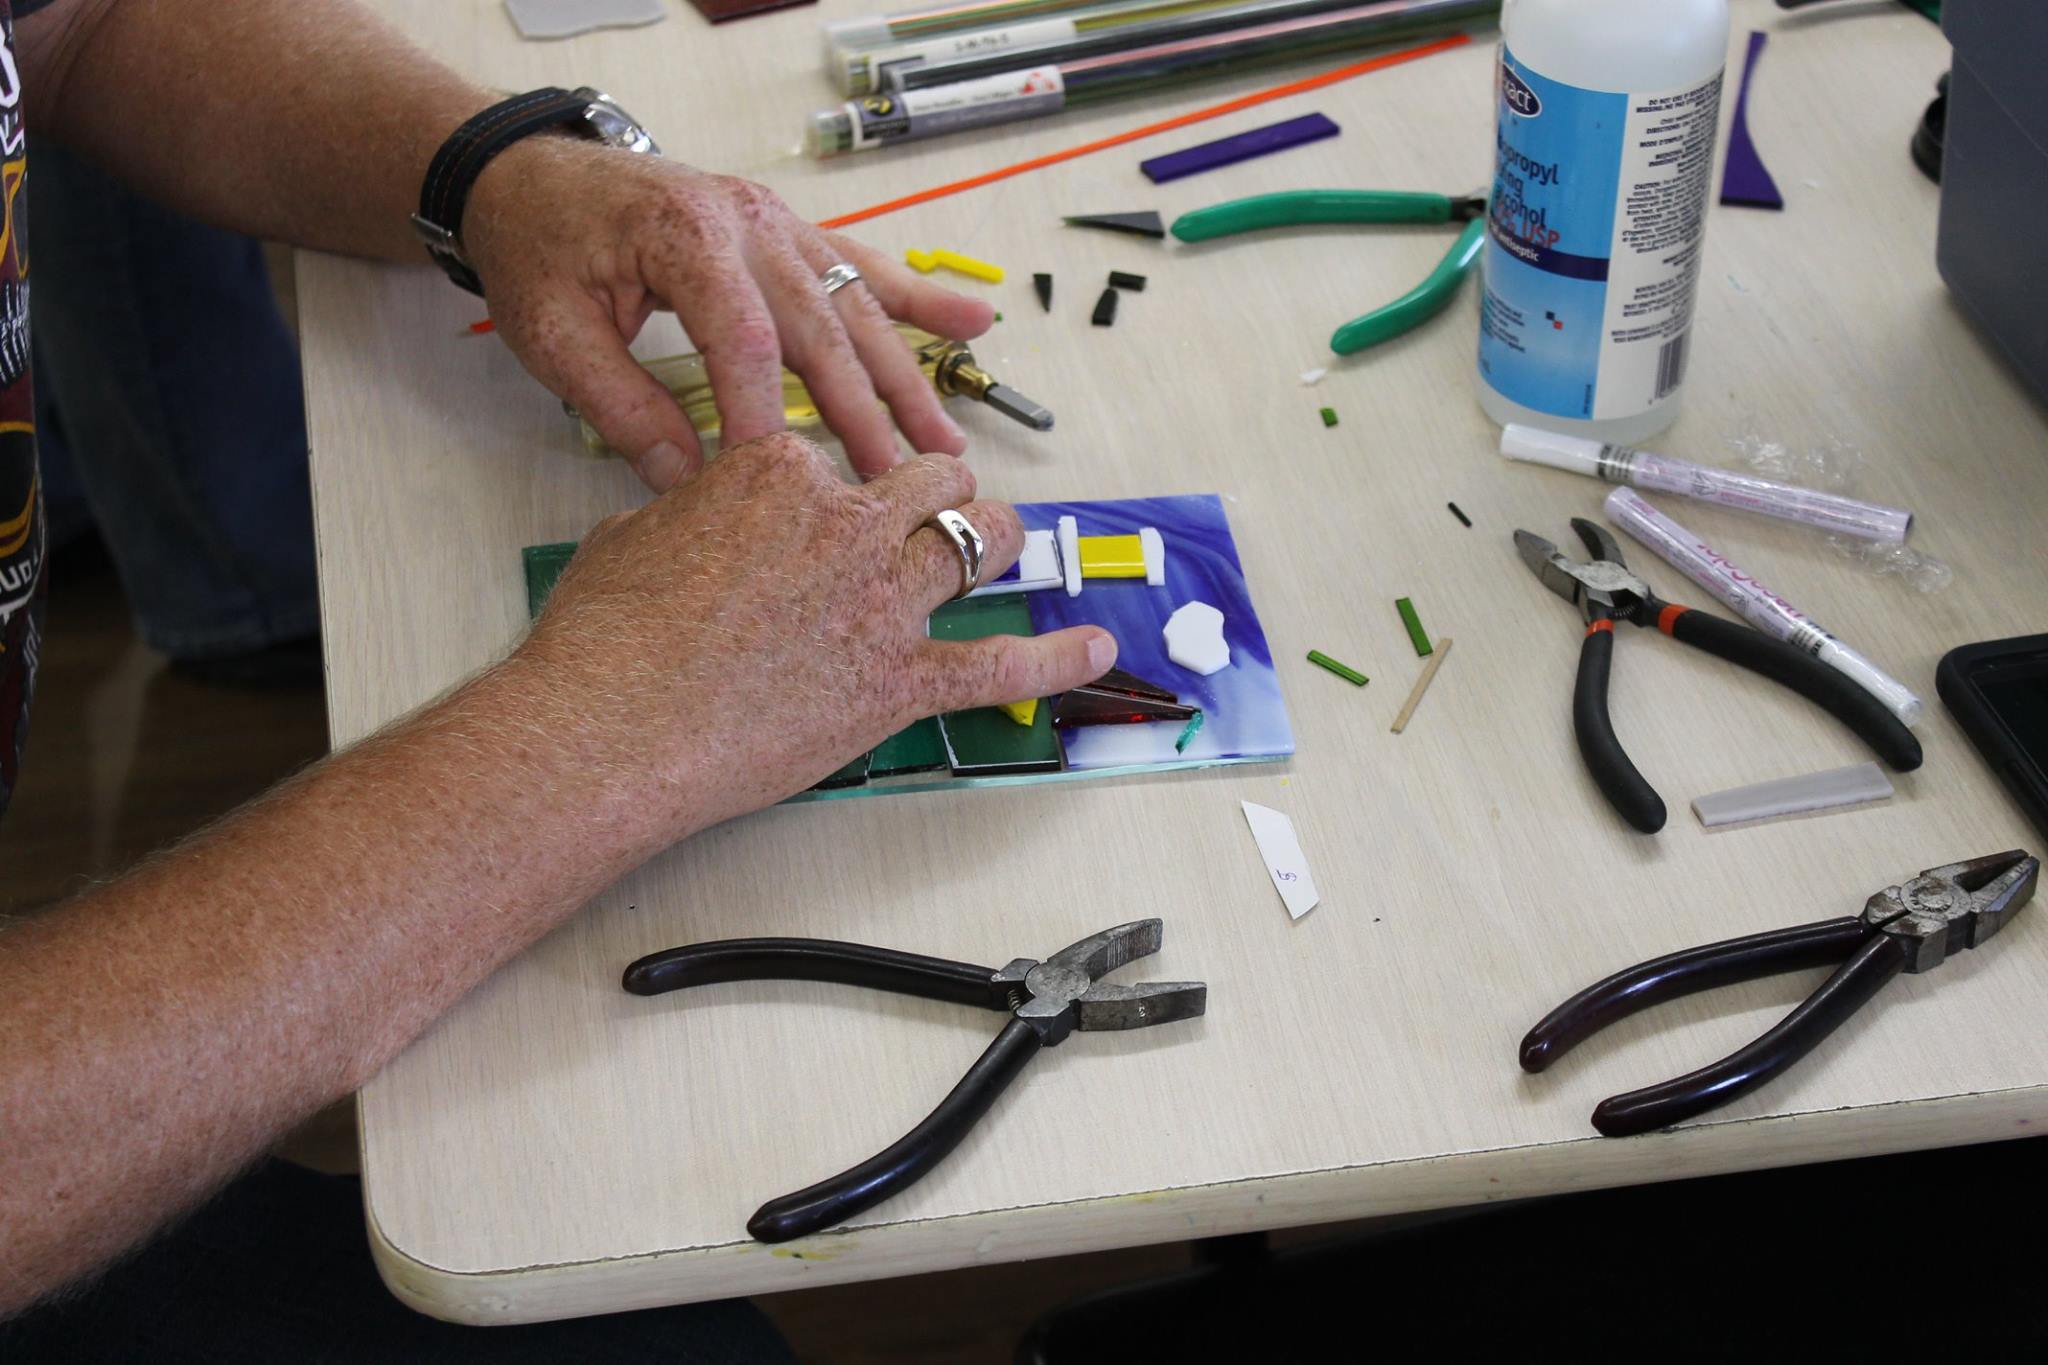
pixel 838 277
pixel 967 541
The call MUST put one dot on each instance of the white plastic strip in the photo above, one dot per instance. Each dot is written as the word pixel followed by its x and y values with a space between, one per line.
pixel 1851 786
pixel 1154 547
pixel 1037 568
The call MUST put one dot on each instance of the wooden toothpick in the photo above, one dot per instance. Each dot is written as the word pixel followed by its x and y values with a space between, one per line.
pixel 1436 661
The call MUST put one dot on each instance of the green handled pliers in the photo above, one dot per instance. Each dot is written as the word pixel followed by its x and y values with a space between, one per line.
pixel 1293 207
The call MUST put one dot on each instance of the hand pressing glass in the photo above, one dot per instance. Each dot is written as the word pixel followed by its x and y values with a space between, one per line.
pixel 754 629
pixel 579 244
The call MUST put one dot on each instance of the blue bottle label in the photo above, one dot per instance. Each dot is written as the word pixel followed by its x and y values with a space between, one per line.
pixel 1594 227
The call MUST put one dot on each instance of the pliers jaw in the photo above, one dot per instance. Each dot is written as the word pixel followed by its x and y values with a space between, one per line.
pixel 1947 909
pixel 1064 992
pixel 1464 208
pixel 1602 589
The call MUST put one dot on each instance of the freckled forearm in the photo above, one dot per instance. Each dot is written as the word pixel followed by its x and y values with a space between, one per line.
pixel 297 122
pixel 188 1014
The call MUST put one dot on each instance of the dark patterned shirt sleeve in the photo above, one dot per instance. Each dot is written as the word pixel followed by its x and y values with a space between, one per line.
pixel 23 584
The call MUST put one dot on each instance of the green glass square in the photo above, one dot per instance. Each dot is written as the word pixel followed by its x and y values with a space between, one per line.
pixel 919 748
pixel 975 618
pixel 853 774
pixel 985 742
pixel 544 564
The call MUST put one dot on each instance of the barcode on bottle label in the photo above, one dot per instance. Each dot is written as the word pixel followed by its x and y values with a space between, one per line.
pixel 1671 364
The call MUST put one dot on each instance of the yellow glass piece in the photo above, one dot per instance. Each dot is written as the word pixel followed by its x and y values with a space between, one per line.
pixel 1112 557
pixel 920 260
pixel 1023 712
pixel 967 265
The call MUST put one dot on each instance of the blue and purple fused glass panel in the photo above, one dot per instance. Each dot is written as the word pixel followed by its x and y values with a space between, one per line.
pixel 1244 718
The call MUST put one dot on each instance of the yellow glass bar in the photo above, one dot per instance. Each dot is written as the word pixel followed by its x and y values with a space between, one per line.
pixel 1112 557
pixel 967 265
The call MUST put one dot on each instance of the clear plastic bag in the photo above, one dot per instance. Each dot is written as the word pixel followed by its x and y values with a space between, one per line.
pixel 1834 465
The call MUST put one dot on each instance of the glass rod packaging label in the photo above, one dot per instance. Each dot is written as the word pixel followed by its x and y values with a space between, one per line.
pixel 893 115
pixel 1594 227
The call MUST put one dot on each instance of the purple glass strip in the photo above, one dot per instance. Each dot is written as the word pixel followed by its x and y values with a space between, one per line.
pixel 1744 180
pixel 1207 156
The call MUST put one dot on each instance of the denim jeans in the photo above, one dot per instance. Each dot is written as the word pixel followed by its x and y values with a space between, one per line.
pixel 168 410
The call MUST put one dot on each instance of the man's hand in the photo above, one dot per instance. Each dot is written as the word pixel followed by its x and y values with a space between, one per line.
pixel 577 244
pixel 757 627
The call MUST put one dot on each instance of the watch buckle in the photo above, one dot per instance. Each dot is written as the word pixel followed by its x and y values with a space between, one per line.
pixel 439 241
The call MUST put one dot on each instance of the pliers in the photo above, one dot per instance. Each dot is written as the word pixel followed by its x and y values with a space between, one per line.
pixel 1292 207
pixel 1909 928
pixel 1046 1001
pixel 1605 592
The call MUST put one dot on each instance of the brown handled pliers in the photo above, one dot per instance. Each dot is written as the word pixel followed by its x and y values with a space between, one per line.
pixel 1046 1001
pixel 1907 928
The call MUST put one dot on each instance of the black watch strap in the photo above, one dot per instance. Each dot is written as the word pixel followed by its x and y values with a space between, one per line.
pixel 454 170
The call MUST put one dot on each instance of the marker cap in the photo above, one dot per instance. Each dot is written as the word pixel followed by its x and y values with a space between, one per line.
pixel 1534 445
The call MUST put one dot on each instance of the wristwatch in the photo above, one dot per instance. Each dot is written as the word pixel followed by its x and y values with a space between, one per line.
pixel 444 193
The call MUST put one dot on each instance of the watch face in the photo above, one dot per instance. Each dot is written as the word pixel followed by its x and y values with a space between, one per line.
pixel 615 127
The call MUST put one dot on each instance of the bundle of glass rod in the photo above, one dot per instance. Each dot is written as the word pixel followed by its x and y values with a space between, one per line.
pixel 1402 17
pixel 857 70
pixel 976 91
pixel 876 29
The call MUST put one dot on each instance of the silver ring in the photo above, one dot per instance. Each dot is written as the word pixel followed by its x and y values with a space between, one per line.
pixel 967 541
pixel 838 277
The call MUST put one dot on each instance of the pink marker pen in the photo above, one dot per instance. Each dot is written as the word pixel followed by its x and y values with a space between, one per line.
pixel 1730 488
pixel 1754 602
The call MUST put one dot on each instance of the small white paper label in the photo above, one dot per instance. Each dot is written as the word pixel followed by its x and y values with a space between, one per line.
pixel 1274 834
pixel 981 42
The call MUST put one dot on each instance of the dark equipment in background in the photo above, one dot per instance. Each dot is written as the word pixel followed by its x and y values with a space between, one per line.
pixel 1994 178
pixel 1998 691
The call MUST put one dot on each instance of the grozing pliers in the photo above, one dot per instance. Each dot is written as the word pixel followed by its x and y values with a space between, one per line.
pixel 1911 927
pixel 1294 207
pixel 1606 591
pixel 1046 1001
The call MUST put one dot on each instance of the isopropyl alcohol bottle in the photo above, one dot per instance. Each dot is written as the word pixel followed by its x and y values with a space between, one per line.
pixel 1603 158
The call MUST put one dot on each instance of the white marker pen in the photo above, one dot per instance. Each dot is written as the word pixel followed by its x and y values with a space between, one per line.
pixel 1754 602
pixel 1728 487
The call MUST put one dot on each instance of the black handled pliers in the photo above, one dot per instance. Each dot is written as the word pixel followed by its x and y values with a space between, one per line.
pixel 1907 928
pixel 1605 591
pixel 1046 1001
